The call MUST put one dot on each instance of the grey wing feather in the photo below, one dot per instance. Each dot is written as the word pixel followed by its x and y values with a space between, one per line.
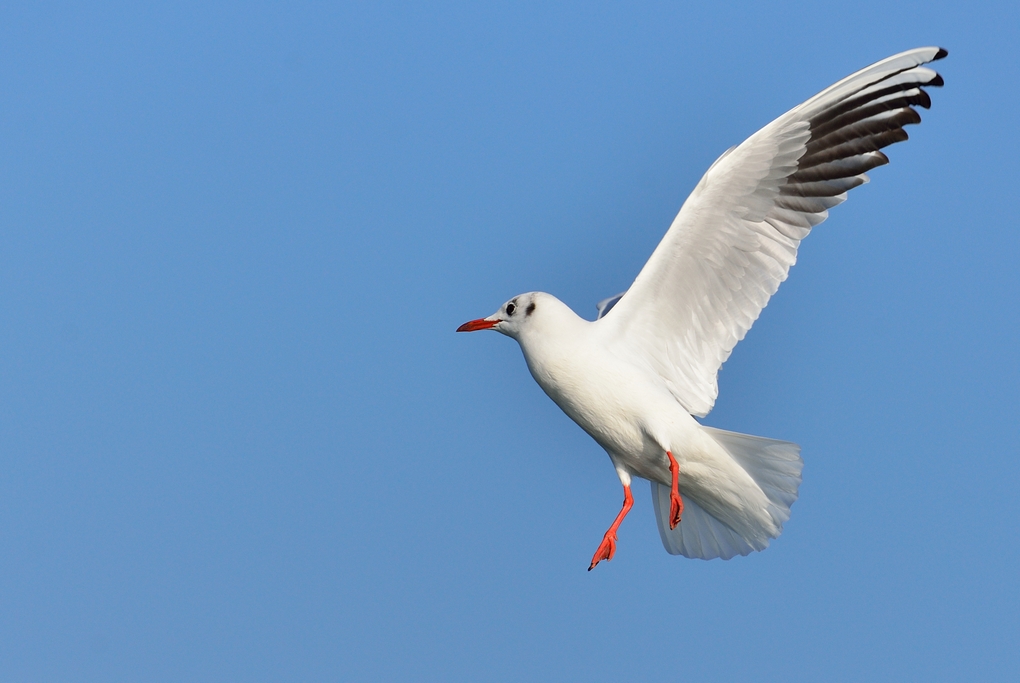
pixel 606 305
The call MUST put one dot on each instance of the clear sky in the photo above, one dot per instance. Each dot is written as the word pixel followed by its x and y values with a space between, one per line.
pixel 240 440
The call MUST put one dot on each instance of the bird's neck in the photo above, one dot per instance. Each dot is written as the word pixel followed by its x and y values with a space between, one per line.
pixel 554 343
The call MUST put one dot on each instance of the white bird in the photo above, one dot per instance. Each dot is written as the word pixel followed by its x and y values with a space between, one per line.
pixel 636 377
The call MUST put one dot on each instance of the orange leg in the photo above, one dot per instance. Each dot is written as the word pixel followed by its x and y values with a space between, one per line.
pixel 608 546
pixel 676 503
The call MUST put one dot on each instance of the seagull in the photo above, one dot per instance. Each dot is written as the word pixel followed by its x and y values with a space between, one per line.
pixel 636 378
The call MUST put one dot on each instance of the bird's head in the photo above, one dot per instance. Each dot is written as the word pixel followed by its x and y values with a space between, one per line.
pixel 512 318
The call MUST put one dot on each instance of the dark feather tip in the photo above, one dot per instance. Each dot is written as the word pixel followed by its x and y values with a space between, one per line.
pixel 943 52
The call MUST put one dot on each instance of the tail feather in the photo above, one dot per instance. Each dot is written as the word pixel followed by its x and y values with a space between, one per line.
pixel 699 534
pixel 775 466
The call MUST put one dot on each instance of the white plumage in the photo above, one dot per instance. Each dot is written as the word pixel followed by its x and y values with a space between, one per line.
pixel 634 378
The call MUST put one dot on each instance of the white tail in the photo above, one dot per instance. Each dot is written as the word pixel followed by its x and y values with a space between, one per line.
pixel 775 466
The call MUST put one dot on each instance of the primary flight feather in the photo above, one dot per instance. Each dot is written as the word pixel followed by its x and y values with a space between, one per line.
pixel 635 378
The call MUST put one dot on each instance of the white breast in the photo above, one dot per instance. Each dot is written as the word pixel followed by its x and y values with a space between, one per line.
pixel 624 407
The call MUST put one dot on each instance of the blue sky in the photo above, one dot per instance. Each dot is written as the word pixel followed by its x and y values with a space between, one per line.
pixel 241 441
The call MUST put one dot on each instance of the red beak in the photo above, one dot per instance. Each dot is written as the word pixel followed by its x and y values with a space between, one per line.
pixel 475 325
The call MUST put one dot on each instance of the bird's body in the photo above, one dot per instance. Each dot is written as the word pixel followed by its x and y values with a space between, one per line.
pixel 626 408
pixel 636 378
pixel 619 403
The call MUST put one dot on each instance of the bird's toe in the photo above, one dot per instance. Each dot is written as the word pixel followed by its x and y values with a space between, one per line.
pixel 606 550
pixel 676 509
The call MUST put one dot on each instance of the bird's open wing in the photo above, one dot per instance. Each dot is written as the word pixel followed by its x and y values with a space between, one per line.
pixel 737 234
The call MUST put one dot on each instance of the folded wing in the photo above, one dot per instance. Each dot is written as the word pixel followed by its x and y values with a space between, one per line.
pixel 737 235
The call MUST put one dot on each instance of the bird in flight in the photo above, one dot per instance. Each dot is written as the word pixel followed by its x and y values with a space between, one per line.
pixel 636 377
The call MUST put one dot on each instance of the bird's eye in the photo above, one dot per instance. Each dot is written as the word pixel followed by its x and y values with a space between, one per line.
pixel 510 308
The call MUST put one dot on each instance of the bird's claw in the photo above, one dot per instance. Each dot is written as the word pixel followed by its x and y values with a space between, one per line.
pixel 676 509
pixel 606 550
pixel 676 503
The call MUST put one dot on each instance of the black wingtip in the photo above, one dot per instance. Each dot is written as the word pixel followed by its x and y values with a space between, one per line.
pixel 936 82
pixel 943 52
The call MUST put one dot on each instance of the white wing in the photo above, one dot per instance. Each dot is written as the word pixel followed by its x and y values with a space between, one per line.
pixel 736 236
